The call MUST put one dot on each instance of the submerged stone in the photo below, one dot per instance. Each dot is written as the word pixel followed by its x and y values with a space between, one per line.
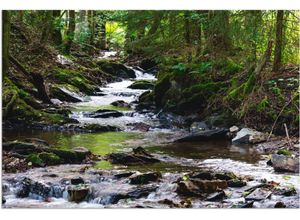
pixel 259 194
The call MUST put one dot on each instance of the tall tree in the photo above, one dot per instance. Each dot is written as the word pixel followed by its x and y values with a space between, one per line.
pixel 56 35
pixel 70 32
pixel 91 26
pixel 48 25
pixel 278 42
pixel 5 41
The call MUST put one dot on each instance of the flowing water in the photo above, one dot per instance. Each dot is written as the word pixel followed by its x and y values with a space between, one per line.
pixel 177 158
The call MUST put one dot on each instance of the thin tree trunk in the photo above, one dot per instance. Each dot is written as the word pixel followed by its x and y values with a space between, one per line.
pixel 56 36
pixel 35 78
pixel 5 41
pixel 48 24
pixel 278 42
pixel 70 32
pixel 91 26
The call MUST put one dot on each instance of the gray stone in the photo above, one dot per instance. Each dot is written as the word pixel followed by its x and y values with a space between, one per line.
pixel 285 163
pixel 249 136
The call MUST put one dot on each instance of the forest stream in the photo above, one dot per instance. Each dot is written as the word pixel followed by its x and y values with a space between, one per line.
pixel 110 185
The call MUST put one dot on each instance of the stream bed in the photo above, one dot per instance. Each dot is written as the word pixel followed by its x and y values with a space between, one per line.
pixel 177 159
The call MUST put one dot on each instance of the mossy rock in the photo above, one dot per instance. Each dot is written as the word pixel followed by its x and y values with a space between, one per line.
pixel 50 158
pixel 161 87
pixel 142 84
pixel 74 78
pixel 58 92
pixel 116 69
pixel 284 152
pixel 67 156
pixel 147 96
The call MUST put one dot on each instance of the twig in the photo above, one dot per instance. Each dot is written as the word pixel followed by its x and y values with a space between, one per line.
pixel 278 117
pixel 287 135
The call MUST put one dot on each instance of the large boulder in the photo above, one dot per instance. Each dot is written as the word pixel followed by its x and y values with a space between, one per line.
pixel 142 84
pixel 249 136
pixel 29 186
pixel 116 69
pixel 205 135
pixel 64 94
pixel 283 163
pixel 104 113
pixel 147 64
pixel 136 157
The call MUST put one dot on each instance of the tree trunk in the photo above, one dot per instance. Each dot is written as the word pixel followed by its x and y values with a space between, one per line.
pixel 56 36
pixel 70 32
pixel 48 24
pixel 5 41
pixel 35 78
pixel 278 42
pixel 156 22
pixel 91 26
pixel 102 36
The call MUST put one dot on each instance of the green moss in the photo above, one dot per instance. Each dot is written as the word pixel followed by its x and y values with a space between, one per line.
pixel 161 87
pixel 35 160
pixel 74 78
pixel 284 152
pixel 142 84
pixel 86 108
pixel 104 165
pixel 49 158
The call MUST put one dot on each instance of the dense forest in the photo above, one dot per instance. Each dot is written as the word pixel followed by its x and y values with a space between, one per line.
pixel 200 74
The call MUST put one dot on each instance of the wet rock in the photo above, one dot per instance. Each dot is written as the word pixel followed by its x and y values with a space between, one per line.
pixel 145 178
pixel 203 176
pixel 247 205
pixel 139 126
pixel 20 147
pixel 236 183
pixel 100 128
pixel 13 164
pixel 116 69
pixel 195 187
pixel 279 205
pixel 217 196
pixel 52 175
pixel 120 103
pixel 249 136
pixel 137 156
pixel 78 193
pixel 198 127
pixel 140 192
pixel 63 94
pixel 3 200
pixel 77 181
pixel 123 175
pixel 28 186
pixel 147 64
pixel 49 158
pixel 82 152
pixel 259 194
pixel 233 129
pixel 225 176
pixel 285 191
pixel 38 142
pixel 282 163
pixel 104 113
pixel 214 134
pixel 142 84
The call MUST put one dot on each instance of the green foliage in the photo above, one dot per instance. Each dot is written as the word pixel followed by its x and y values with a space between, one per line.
pixel 35 159
pixel 179 68
pixel 49 158
pixel 263 104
